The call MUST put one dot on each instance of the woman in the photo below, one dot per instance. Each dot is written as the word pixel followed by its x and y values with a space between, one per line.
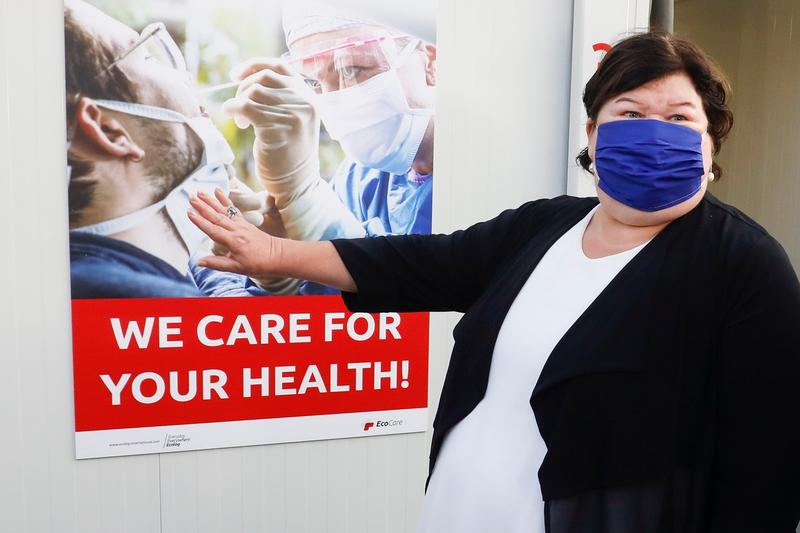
pixel 633 360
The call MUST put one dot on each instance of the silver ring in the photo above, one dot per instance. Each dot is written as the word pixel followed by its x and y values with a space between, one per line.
pixel 232 211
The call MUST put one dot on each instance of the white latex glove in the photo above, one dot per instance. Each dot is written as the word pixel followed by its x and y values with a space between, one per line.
pixel 277 103
pixel 258 208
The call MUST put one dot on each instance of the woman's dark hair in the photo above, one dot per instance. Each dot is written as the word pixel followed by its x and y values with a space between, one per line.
pixel 646 57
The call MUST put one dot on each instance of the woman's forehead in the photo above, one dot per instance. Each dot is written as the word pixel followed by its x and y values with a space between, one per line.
pixel 672 90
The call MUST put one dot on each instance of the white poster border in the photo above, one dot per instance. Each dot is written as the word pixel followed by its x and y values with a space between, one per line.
pixel 230 434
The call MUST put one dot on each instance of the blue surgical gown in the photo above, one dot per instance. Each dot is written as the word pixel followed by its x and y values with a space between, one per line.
pixel 384 203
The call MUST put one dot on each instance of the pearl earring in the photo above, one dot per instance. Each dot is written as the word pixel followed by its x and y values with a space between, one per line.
pixel 711 176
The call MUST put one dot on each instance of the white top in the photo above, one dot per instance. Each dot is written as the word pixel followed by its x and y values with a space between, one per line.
pixel 486 474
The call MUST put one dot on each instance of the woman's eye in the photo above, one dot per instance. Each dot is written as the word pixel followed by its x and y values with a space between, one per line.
pixel 632 114
pixel 678 118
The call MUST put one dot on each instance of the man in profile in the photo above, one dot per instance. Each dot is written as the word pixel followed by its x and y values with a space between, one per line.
pixel 140 144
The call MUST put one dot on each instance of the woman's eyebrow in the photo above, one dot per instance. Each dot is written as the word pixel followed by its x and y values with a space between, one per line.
pixel 626 99
pixel 681 104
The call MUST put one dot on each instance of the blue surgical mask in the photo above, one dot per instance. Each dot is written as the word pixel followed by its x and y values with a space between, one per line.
pixel 649 164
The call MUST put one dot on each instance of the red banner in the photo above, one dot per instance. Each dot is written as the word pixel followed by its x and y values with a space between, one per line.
pixel 158 362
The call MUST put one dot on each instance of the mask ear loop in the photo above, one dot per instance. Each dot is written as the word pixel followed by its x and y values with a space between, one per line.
pixel 144 111
pixel 402 57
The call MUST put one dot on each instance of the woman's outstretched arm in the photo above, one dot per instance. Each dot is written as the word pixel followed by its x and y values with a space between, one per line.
pixel 255 253
pixel 393 273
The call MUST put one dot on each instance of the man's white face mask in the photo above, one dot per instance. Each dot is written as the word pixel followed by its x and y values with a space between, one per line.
pixel 211 173
pixel 373 122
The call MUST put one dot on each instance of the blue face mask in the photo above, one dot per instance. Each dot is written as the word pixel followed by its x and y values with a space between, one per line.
pixel 649 164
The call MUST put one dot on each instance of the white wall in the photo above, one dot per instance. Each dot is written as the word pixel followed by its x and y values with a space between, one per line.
pixel 595 22
pixel 501 139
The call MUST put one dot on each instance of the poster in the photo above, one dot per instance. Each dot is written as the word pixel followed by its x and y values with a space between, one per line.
pixel 317 121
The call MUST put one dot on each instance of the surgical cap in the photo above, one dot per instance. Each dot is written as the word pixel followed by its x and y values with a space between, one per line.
pixel 302 18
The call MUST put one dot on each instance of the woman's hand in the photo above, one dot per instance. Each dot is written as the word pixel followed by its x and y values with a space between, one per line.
pixel 257 207
pixel 250 251
pixel 255 253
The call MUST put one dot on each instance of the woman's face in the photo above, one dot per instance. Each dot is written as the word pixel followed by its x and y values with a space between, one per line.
pixel 672 99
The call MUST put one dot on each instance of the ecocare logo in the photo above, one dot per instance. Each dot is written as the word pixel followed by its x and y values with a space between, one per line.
pixel 369 424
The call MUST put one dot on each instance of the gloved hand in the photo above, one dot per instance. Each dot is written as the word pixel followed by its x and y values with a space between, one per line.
pixel 277 103
pixel 258 208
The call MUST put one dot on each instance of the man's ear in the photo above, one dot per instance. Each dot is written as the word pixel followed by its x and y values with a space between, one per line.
pixel 430 63
pixel 99 136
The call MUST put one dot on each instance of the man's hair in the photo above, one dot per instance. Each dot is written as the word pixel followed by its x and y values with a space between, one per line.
pixel 86 59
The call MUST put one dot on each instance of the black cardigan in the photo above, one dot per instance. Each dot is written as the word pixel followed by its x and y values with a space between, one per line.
pixel 671 404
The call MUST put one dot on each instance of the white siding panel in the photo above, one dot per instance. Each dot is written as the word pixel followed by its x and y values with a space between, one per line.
pixel 44 488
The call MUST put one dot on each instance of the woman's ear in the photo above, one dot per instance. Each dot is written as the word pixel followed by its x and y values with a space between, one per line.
pixel 707 148
pixel 430 63
pixel 99 136
pixel 591 134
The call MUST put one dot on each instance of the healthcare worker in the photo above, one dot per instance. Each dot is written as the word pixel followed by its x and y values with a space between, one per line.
pixel 373 88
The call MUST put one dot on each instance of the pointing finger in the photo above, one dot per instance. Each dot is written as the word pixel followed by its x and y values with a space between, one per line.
pixel 210 214
pixel 213 202
pixel 222 198
pixel 216 233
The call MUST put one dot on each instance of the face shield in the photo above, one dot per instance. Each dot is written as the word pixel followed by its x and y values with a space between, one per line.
pixel 361 96
pixel 331 65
